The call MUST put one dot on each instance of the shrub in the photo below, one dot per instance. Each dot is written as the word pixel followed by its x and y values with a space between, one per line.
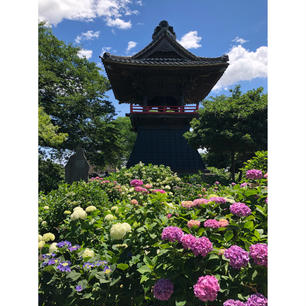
pixel 259 162
pixel 147 252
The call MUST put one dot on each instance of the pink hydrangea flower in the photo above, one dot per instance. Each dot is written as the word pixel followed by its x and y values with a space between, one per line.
pixel 238 257
pixel 105 182
pixel 212 223
pixel 172 233
pixel 217 183
pixel 136 182
pixel 169 216
pixel 206 288
pixel 233 303
pixel 148 186
pixel 244 185
pixel 200 201
pixel 188 241
pixel 188 204
pixel 266 175
pixel 223 223
pixel 254 174
pixel 218 200
pixel 233 184
pixel 140 189
pixel 201 246
pixel 259 253
pixel 163 289
pixel 240 209
pixel 193 223
pixel 257 299
pixel 158 190
pixel 134 202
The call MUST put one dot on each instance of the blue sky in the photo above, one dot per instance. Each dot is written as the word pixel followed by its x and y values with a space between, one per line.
pixel 208 28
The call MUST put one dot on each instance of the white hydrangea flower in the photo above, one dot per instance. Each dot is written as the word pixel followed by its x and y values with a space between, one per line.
pixel 109 217
pixel 41 244
pixel 48 237
pixel 39 237
pixel 127 227
pixel 53 247
pixel 88 253
pixel 46 207
pixel 118 231
pixel 90 208
pixel 78 213
pixel 44 223
pixel 67 212
pixel 115 208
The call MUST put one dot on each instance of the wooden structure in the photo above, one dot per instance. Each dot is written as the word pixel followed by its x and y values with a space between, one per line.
pixel 164 84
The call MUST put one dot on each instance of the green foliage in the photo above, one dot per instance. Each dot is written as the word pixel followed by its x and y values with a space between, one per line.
pixel 50 175
pixel 127 138
pixel 160 175
pixel 236 125
pixel 72 93
pixel 259 162
pixel 130 266
pixel 47 132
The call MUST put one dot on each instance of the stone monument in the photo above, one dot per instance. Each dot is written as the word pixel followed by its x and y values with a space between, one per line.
pixel 77 167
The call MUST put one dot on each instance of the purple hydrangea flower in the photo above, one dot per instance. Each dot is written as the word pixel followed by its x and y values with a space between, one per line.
pixel 64 266
pixel 244 185
pixel 74 248
pixel 88 265
pixel 233 303
pixel 188 241
pixel 218 200
pixel 158 190
pixel 51 261
pixel 63 243
pixel 254 174
pixel 100 263
pixel 206 288
pixel 257 299
pixel 240 209
pixel 78 288
pixel 172 233
pixel 238 257
pixel 163 289
pixel 136 182
pixel 106 269
pixel 201 246
pixel 259 253
pixel 212 223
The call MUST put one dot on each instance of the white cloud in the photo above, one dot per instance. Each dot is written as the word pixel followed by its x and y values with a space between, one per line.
pixel 191 40
pixel 131 45
pixel 85 53
pixel 239 40
pixel 54 11
pixel 105 49
pixel 87 36
pixel 244 66
pixel 118 23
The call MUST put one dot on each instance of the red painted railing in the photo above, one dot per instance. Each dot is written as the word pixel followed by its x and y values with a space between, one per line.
pixel 190 109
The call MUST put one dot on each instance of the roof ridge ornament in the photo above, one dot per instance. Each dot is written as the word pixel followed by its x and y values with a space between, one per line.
pixel 162 28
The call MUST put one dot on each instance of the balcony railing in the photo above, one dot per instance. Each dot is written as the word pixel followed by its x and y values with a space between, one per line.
pixel 161 109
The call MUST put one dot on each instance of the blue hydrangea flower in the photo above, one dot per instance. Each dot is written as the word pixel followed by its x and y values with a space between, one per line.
pixel 64 266
pixel 78 288
pixel 63 243
pixel 88 265
pixel 73 248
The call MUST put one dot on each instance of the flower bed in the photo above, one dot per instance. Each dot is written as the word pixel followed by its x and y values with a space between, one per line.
pixel 143 237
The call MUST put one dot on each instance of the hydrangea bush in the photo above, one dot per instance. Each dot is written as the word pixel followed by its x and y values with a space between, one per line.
pixel 109 242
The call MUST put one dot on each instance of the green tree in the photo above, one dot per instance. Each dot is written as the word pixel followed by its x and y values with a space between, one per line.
pixel 236 125
pixel 128 138
pixel 72 93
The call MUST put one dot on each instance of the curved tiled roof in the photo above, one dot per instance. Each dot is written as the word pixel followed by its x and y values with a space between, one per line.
pixel 165 61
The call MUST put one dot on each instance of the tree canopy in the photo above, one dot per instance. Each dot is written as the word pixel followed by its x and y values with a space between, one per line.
pixel 72 94
pixel 236 125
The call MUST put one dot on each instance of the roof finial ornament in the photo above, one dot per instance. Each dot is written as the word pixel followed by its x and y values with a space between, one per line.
pixel 163 27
